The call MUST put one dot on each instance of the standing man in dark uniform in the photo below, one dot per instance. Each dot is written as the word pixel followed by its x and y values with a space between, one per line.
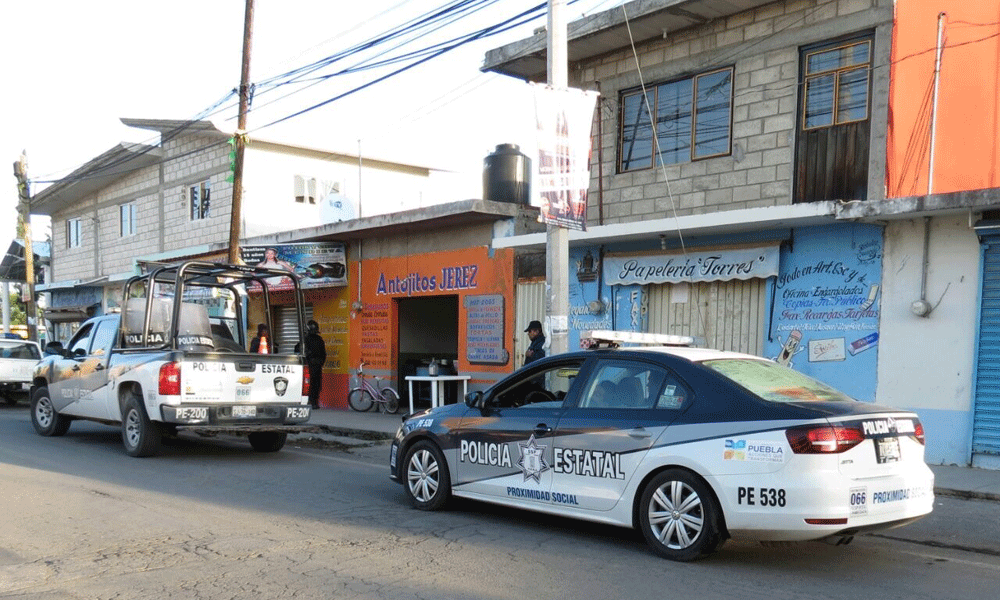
pixel 536 350
pixel 315 359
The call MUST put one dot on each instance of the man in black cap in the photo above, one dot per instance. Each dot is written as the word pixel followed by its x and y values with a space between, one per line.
pixel 535 350
pixel 315 358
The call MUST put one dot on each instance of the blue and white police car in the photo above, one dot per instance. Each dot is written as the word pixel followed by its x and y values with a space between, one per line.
pixel 690 445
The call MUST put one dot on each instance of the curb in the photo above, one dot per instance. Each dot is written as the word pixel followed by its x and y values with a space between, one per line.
pixel 967 494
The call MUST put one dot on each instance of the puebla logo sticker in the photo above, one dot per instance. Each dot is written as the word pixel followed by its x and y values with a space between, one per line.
pixel 280 385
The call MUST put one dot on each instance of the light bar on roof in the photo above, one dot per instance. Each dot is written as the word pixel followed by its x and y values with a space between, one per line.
pixel 607 338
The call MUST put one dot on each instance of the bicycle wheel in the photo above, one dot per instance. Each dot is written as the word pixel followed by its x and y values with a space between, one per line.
pixel 360 400
pixel 390 400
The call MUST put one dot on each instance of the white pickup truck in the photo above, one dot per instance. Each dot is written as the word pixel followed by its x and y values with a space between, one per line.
pixel 17 362
pixel 176 359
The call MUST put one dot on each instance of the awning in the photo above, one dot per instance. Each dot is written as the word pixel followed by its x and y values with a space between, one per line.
pixel 67 314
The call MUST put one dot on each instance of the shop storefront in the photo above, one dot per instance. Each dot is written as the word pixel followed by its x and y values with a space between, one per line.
pixel 321 270
pixel 452 308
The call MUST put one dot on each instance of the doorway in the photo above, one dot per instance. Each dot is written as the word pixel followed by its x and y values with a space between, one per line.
pixel 428 330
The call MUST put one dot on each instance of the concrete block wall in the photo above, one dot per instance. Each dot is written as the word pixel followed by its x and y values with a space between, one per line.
pixel 163 221
pixel 762 46
pixel 189 161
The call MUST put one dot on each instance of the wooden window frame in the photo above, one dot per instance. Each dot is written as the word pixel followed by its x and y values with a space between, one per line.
pixel 652 95
pixel 837 73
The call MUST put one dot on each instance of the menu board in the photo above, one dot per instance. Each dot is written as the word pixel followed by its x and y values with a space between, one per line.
pixel 484 325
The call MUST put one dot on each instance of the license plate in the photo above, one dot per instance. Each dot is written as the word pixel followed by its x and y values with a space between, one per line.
pixel 298 412
pixel 887 450
pixel 242 393
pixel 244 411
pixel 189 413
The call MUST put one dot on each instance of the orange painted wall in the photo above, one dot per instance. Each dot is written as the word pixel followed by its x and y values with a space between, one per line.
pixel 968 115
pixel 374 330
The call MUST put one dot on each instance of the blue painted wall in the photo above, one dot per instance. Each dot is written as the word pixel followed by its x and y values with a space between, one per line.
pixel 825 306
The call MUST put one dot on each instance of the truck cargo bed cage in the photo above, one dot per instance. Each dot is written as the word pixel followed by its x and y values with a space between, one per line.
pixel 201 274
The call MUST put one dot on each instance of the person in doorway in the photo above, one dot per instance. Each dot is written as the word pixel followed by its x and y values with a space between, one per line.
pixel 537 348
pixel 315 359
pixel 263 333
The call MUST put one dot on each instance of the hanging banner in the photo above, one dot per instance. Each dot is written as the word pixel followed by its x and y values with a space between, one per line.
pixel 564 118
pixel 315 264
pixel 713 265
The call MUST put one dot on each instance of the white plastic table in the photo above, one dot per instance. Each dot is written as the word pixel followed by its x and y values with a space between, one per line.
pixel 437 381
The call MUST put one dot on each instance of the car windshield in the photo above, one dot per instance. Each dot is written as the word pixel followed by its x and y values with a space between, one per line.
pixel 775 383
pixel 19 350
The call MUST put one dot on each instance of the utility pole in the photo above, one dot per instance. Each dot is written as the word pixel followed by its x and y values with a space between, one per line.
pixel 556 237
pixel 24 215
pixel 240 135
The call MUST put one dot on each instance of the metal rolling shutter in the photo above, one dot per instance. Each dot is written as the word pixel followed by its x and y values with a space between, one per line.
pixel 986 417
pixel 729 315
pixel 530 306
pixel 286 332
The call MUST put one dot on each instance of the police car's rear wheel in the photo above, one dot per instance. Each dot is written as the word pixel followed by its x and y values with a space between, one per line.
pixel 679 516
pixel 428 483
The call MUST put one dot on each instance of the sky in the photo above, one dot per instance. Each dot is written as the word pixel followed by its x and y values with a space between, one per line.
pixel 75 68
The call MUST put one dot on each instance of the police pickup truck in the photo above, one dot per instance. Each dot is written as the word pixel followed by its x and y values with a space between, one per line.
pixel 175 359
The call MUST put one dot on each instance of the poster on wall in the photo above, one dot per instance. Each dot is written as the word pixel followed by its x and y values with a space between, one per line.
pixel 825 315
pixel 314 264
pixel 484 325
pixel 564 118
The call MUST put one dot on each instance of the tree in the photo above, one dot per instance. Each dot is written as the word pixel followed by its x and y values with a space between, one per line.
pixel 17 314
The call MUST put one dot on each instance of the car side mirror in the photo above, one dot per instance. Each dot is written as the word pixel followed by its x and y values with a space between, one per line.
pixel 54 348
pixel 474 399
pixel 79 353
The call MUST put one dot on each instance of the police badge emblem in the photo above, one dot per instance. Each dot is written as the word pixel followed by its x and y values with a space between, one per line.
pixel 280 385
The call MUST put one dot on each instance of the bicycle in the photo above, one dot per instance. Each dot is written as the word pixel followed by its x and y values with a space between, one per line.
pixel 363 397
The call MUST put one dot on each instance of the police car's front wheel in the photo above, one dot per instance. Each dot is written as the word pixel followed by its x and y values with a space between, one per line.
pixel 679 516
pixel 428 483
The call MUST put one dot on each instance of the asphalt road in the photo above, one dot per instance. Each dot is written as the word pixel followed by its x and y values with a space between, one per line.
pixel 210 519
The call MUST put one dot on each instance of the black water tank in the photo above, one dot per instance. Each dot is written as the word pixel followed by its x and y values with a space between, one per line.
pixel 507 175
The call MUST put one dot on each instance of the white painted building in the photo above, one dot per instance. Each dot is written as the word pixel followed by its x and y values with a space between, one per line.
pixel 144 203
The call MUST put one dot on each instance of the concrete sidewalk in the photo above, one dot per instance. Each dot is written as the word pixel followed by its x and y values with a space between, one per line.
pixel 964 482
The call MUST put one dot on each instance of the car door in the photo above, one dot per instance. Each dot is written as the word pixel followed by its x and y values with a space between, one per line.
pixel 505 449
pixel 93 373
pixel 623 408
pixel 64 385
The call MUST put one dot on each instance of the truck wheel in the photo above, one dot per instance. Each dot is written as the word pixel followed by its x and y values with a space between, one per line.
pixel 266 441
pixel 140 435
pixel 44 417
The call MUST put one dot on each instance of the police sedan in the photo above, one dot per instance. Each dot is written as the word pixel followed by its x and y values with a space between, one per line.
pixel 692 446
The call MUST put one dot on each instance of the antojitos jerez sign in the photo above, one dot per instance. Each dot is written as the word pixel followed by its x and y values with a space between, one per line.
pixel 714 265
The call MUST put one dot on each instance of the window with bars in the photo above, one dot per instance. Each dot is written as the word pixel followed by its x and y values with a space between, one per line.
pixel 128 219
pixel 693 118
pixel 200 197
pixel 73 233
